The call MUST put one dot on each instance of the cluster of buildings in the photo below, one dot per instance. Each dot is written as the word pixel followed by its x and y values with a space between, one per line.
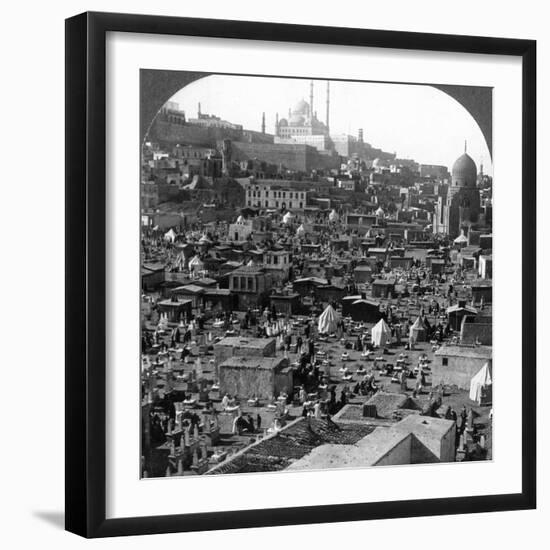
pixel 249 239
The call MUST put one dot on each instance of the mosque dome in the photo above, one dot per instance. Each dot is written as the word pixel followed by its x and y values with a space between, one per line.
pixel 283 122
pixel 301 108
pixel 464 172
pixel 297 120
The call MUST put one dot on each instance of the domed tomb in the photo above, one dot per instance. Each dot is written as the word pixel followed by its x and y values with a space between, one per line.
pixel 464 172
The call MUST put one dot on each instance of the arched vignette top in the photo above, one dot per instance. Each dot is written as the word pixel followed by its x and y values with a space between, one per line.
pixel 158 86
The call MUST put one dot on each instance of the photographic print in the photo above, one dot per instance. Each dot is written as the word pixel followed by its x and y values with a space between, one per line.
pixel 316 274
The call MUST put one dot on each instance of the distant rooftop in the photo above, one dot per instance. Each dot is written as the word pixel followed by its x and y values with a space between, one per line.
pixel 240 342
pixel 292 443
pixel 477 352
pixel 245 362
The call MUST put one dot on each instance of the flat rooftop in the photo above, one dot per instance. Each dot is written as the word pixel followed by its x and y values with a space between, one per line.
pixel 422 426
pixel 243 342
pixel 259 363
pixel 474 352
pixel 173 303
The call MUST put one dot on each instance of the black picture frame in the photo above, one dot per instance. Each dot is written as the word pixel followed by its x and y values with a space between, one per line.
pixel 86 276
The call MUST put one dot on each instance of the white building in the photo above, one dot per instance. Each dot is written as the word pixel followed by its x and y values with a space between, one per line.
pixel 271 196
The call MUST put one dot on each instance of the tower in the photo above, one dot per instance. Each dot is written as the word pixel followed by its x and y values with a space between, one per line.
pixel 199 110
pixel 462 205
pixel 328 106
pixel 360 135
pixel 263 123
pixel 276 124
pixel 311 100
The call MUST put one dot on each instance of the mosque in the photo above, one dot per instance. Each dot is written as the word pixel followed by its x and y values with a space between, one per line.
pixel 302 125
pixel 460 209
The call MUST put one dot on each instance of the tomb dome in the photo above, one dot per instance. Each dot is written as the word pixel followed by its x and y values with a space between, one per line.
pixel 464 171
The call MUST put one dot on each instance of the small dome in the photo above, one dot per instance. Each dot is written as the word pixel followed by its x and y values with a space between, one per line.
pixel 283 122
pixel 464 172
pixel 297 120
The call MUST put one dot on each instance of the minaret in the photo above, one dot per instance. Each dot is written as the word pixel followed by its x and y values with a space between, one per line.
pixel 465 146
pixel 311 100
pixel 328 106
pixel 276 124
pixel 263 123
pixel 199 110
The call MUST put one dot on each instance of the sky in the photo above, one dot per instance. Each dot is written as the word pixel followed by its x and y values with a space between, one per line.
pixel 414 121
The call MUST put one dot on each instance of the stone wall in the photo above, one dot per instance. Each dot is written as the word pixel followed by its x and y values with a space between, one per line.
pixel 293 157
pixel 246 382
pixel 472 332
pixel 458 372
pixel 167 133
pixel 399 454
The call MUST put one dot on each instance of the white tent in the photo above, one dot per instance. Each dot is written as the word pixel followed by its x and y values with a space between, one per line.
pixel 379 212
pixel 328 320
pixel 333 216
pixel 417 332
pixel 461 239
pixel 170 235
pixel 381 334
pixel 301 231
pixel 288 217
pixel 482 380
pixel 196 264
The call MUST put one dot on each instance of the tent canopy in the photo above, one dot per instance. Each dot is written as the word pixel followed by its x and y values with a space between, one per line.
pixel 288 217
pixel 417 332
pixel 479 381
pixel 170 235
pixel 461 238
pixel 328 320
pixel 196 263
pixel 381 334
